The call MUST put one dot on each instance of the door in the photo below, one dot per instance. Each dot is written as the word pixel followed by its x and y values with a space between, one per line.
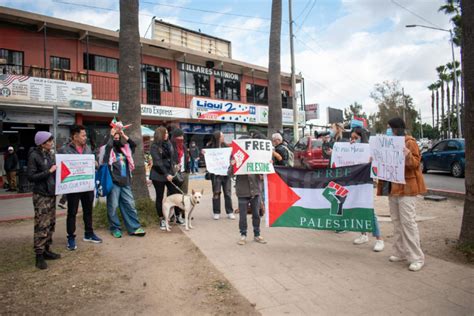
pixel 153 87
pixel 434 159
pixel 449 155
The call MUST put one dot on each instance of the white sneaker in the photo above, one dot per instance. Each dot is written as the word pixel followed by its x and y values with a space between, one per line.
pixel 231 216
pixel 243 240
pixel 396 259
pixel 416 266
pixel 162 224
pixel 362 239
pixel 216 216
pixel 379 245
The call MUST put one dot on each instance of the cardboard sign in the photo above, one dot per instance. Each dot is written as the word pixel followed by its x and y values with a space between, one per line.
pixel 347 154
pixel 75 173
pixel 388 158
pixel 218 160
pixel 252 156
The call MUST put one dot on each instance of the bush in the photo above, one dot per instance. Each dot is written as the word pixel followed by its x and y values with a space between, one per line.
pixel 146 213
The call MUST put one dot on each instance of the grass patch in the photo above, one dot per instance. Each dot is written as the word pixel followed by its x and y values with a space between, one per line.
pixel 145 208
pixel 467 249
pixel 16 256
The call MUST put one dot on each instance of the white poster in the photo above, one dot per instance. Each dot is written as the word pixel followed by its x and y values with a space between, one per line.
pixel 388 158
pixel 252 156
pixel 217 160
pixel 347 154
pixel 75 173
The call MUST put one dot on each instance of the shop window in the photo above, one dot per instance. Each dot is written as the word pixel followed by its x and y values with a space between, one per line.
pixel 164 74
pixel 227 89
pixel 194 84
pixel 257 94
pixel 101 63
pixel 14 62
pixel 285 100
pixel 59 63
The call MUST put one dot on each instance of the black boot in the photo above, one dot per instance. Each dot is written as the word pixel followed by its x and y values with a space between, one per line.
pixel 49 255
pixel 41 263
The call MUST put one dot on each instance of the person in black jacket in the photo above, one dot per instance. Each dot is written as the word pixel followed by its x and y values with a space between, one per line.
pixel 163 170
pixel 41 172
pixel 11 167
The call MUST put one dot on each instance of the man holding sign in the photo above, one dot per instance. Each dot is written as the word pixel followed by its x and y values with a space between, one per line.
pixel 401 192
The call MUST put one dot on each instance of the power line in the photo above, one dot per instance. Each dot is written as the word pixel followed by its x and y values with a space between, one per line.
pixel 307 14
pixel 414 13
pixel 304 9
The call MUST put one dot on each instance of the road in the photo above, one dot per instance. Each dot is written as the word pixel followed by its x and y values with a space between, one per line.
pixel 444 181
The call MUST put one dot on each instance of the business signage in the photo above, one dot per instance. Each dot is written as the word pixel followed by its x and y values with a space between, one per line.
pixel 312 111
pixel 335 116
pixel 148 110
pixel 225 111
pixel 208 71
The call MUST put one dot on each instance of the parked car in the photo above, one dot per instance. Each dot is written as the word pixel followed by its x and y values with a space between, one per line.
pixel 446 155
pixel 308 154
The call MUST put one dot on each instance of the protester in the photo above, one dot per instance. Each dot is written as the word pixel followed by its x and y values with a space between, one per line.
pixel 220 183
pixel 194 157
pixel 78 146
pixel 11 167
pixel 117 153
pixel 41 172
pixel 163 170
pixel 360 135
pixel 181 157
pixel 280 154
pixel 402 201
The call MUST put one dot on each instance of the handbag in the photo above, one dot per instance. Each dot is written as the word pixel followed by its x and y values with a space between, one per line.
pixel 178 179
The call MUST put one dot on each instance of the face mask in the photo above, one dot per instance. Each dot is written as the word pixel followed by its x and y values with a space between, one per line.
pixel 117 143
pixel 332 133
pixel 389 132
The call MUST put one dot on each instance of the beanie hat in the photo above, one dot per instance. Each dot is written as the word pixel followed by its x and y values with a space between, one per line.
pixel 42 137
pixel 396 122
pixel 10 148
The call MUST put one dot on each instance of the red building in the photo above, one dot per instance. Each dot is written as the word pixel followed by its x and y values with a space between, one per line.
pixel 186 75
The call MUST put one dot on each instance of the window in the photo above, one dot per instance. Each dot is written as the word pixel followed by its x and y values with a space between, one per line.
pixel 257 94
pixel 227 89
pixel 316 143
pixel 194 84
pixel 14 62
pixel 302 144
pixel 165 76
pixel 285 100
pixel 439 147
pixel 101 63
pixel 452 145
pixel 59 63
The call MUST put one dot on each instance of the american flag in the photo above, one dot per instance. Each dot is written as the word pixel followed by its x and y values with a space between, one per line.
pixel 8 79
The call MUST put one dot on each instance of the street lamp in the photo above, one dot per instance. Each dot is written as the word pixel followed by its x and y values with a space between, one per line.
pixel 454 67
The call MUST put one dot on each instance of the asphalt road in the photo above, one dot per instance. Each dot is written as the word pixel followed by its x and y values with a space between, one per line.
pixel 444 181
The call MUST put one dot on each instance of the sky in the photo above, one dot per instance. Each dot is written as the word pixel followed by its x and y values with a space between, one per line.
pixel 342 47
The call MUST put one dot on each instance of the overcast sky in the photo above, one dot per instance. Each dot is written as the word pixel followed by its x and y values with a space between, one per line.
pixel 343 47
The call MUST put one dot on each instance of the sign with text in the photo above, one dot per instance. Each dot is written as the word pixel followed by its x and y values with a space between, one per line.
pixel 347 154
pixel 217 160
pixel 75 173
pixel 148 110
pixel 312 111
pixel 252 156
pixel 225 111
pixel 388 158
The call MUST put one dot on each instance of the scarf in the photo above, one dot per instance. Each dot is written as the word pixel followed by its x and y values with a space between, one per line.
pixel 180 148
pixel 125 149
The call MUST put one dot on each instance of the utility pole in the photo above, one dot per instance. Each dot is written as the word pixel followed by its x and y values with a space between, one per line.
pixel 404 105
pixel 293 78
pixel 456 85
pixel 421 125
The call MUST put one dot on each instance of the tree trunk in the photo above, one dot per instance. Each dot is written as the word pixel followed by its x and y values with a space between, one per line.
pixel 453 104
pixel 437 109
pixel 443 127
pixel 129 84
pixel 467 53
pixel 275 122
pixel 448 109
pixel 432 107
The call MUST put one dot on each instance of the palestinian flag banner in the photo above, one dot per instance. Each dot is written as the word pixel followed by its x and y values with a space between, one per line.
pixel 325 199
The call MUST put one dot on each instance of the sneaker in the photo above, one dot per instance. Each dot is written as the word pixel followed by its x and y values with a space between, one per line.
pixel 117 233
pixel 396 259
pixel 62 206
pixel 93 238
pixel 140 232
pixel 162 224
pixel 260 240
pixel 231 216
pixel 243 240
pixel 71 243
pixel 362 239
pixel 180 220
pixel 379 245
pixel 416 266
pixel 216 216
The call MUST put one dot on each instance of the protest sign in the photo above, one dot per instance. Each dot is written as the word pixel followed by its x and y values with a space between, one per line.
pixel 252 156
pixel 388 158
pixel 347 154
pixel 75 173
pixel 217 160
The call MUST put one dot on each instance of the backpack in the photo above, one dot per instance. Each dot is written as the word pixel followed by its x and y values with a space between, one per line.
pixel 291 156
pixel 103 181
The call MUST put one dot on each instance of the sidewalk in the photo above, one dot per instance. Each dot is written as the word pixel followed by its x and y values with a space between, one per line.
pixel 319 273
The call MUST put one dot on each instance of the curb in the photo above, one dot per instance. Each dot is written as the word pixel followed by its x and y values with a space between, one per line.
pixel 15 196
pixel 22 218
pixel 446 193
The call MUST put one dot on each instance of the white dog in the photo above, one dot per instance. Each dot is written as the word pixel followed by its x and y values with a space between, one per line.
pixel 185 202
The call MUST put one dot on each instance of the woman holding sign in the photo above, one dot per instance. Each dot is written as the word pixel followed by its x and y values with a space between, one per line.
pixel 402 201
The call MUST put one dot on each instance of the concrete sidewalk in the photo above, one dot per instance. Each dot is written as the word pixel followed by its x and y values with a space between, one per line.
pixel 318 273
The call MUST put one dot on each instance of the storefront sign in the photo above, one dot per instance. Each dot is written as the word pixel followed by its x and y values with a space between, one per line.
pixel 286 116
pixel 190 128
pixel 75 173
pixel 13 116
pixel 226 111
pixel 208 71
pixel 312 111
pixel 147 109
pixel 17 88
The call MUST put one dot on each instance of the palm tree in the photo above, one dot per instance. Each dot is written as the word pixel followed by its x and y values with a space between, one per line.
pixel 274 81
pixel 452 7
pixel 432 87
pixel 467 50
pixel 129 84
pixel 437 104
pixel 441 75
pixel 447 78
pixel 455 85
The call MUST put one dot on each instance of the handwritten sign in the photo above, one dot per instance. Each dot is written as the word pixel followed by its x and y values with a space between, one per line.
pixel 347 154
pixel 75 173
pixel 218 160
pixel 388 158
pixel 252 156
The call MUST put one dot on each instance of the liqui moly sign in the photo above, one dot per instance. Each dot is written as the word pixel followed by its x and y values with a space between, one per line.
pixel 216 110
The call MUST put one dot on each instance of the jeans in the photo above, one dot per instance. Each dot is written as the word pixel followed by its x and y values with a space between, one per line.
pixel 160 190
pixel 223 182
pixel 255 207
pixel 376 232
pixel 194 165
pixel 122 197
pixel 87 201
